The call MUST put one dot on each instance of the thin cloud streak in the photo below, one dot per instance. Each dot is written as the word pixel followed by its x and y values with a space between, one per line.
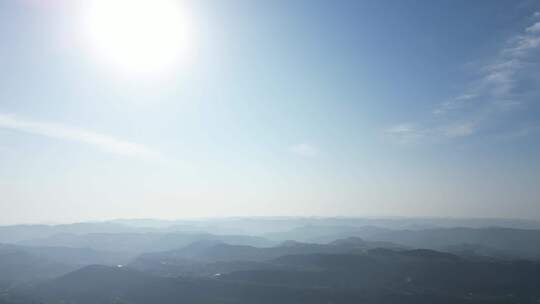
pixel 59 131
pixel 454 103
pixel 409 133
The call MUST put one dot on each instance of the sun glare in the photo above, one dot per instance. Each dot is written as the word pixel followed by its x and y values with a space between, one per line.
pixel 138 36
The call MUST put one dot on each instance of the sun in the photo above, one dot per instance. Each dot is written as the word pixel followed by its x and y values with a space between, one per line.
pixel 138 36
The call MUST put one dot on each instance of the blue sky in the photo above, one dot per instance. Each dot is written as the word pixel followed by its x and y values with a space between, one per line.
pixel 357 108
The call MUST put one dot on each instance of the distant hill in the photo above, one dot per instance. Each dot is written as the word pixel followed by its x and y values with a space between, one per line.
pixel 210 257
pixel 522 243
pixel 131 244
pixel 519 238
pixel 340 264
pixel 258 226
pixel 212 251
pixel 267 224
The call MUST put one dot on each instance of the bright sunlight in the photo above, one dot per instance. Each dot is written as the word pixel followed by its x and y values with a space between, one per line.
pixel 138 36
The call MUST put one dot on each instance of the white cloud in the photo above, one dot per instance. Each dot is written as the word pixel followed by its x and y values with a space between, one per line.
pixel 60 131
pixel 535 28
pixel 525 43
pixel 305 150
pixel 512 65
pixel 493 94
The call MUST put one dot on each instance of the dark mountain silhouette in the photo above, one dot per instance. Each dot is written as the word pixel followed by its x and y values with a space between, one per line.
pixel 408 272
pixel 375 276
pixel 28 263
pixel 480 251
pixel 99 284
pixel 17 264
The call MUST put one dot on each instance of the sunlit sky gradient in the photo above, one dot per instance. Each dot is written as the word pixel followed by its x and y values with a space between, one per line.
pixel 356 108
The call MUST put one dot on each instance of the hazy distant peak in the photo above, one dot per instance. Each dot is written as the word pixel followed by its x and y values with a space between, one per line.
pixel 292 243
pixel 350 241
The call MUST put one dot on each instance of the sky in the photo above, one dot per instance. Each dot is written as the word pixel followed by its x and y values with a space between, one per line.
pixel 182 109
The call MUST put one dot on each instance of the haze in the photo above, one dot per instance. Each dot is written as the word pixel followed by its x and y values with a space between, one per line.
pixel 252 108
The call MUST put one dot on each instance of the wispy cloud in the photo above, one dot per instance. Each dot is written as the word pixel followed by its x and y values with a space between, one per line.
pixel 405 133
pixel 55 130
pixel 457 102
pixel 410 133
pixel 502 85
pixel 305 150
